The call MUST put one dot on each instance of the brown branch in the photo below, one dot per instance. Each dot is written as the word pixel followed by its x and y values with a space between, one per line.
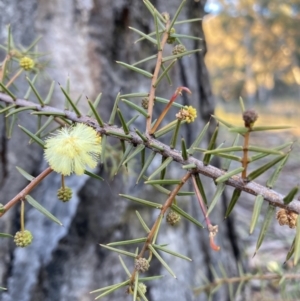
pixel 21 195
pixel 155 76
pixel 253 188
pixel 164 208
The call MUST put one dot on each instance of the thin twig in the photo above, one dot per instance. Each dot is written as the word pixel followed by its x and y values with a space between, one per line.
pixel 21 195
pixel 210 171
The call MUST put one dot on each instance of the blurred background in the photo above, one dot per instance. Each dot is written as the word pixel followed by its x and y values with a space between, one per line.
pixel 250 49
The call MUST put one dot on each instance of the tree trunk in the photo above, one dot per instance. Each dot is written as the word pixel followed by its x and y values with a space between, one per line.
pixel 66 263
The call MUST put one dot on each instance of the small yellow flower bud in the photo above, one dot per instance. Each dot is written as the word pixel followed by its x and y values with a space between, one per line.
pixel 23 238
pixel 64 194
pixel 173 218
pixel 179 49
pixel 26 63
pixel 187 113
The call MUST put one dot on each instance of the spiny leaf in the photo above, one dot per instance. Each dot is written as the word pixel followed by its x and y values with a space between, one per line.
pixel 95 104
pixel 152 249
pixel 123 122
pixel 235 196
pixel 162 166
pixel 26 96
pixel 118 251
pixel 171 252
pixel 25 174
pixel 19 110
pixel 114 110
pixel 70 101
pixel 141 201
pixel 146 165
pixel 271 181
pixel 135 107
pixel 42 209
pixel 211 145
pixel 96 114
pixel 50 93
pixel 38 96
pixel 144 225
pixel 198 140
pixel 256 211
pixel 164 73
pixel 164 182
pixel 93 175
pixel 228 175
pixel 218 193
pixel 291 251
pixel 186 215
pixel 138 70
pixel 33 137
pixel 6 235
pixel 256 173
pixel 265 226
pixel 147 37
pixel 128 242
pixel 7 108
pixel 175 135
pixel 290 196
pixel 270 128
pixel 137 151
pixel 7 91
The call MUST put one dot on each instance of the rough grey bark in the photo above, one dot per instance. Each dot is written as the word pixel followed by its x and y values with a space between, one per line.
pixel 66 263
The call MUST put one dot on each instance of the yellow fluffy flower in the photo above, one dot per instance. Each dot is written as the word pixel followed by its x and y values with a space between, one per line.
pixel 72 149
pixel 187 113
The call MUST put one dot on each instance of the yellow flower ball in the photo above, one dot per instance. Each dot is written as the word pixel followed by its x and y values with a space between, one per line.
pixel 26 63
pixel 72 149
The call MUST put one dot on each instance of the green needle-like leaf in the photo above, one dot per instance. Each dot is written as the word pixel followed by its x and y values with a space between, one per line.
pixel 291 250
pixel 114 110
pixel 38 96
pixel 176 14
pixel 49 113
pixel 109 287
pixel 141 201
pixel 235 196
pixel 96 114
pixel 16 111
pixel 50 93
pixel 238 129
pixel 137 151
pixel 175 134
pixel 25 174
pixel 227 124
pixel 297 242
pixel 42 209
pixel 7 91
pixel 189 166
pixel 93 175
pixel 218 193
pixel 161 167
pixel 152 249
pixel 211 145
pixel 127 242
pixel 124 157
pixel 166 101
pixel 184 152
pixel 114 288
pixel 95 104
pixel 147 37
pixel 265 226
pixel 144 225
pixel 33 137
pixel 270 128
pixel 142 136
pixel 198 140
pixel 290 196
pixel 103 152
pixel 124 266
pixel 227 162
pixel 256 173
pixel 7 108
pixel 26 96
pixel 180 55
pixel 164 182
pixel 242 104
pixel 135 107
pixel 167 69
pixel 70 101
pixel 136 285
pixel 271 181
pixel 117 134
pixel 146 165
pixel 186 215
pixel 119 251
pixel 132 120
pixel 171 252
pixel 6 235
pixel 123 122
pixel 136 69
pixel 228 175
pixel 256 211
